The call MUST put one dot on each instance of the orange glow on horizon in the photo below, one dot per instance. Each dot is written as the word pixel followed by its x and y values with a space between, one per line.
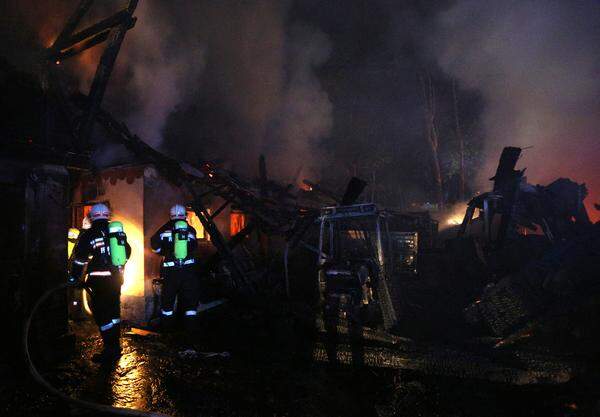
pixel 593 212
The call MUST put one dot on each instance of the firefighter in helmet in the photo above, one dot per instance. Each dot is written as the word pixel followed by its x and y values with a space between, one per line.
pixel 176 242
pixel 103 248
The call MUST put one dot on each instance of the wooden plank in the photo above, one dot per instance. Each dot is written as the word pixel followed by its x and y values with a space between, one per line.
pixel 72 23
pixel 103 26
pixel 173 172
pixel 89 43
pixel 107 61
pixel 86 43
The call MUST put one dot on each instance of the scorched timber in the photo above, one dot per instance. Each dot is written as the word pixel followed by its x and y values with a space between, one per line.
pixel 515 367
pixel 178 175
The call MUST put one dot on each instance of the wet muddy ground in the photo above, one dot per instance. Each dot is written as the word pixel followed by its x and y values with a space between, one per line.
pixel 267 372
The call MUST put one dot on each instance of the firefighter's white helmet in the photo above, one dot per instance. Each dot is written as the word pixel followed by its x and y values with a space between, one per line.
pixel 99 211
pixel 178 212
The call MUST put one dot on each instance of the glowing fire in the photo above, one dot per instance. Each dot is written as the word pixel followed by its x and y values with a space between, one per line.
pixel 454 220
pixel 134 269
pixel 454 216
pixel 305 187
pixel 194 221
pixel 237 222
pixel 593 212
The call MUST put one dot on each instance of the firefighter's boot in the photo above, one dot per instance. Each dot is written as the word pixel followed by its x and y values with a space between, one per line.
pixel 167 323
pixel 189 338
pixel 190 328
pixel 112 345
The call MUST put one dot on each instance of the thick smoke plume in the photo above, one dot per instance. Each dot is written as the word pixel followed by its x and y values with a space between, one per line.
pixel 537 65
pixel 259 88
pixel 246 65
pixel 158 68
pixel 305 115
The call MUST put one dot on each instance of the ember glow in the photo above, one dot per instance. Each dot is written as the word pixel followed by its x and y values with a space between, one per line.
pixel 454 216
pixel 237 222
pixel 134 269
pixel 305 187
pixel 454 220
pixel 388 187
pixel 194 221
pixel 539 81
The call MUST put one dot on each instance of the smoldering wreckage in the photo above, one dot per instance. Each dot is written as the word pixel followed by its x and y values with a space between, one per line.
pixel 509 297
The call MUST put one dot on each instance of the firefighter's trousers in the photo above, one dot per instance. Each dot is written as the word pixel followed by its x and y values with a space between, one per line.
pixel 105 303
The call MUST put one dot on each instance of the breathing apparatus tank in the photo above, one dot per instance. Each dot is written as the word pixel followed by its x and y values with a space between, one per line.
pixel 180 240
pixel 116 240
pixel 72 240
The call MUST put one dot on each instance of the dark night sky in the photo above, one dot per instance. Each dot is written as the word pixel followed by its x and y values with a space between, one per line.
pixel 332 87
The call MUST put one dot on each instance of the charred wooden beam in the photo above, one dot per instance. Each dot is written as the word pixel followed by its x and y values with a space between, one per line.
pixel 217 238
pixel 235 240
pixel 172 171
pixel 300 228
pixel 213 190
pixel 523 369
pixel 273 215
pixel 72 23
pixel 82 46
pixel 318 189
pixel 219 210
pixel 354 189
pixel 480 361
pixel 101 28
pixel 467 219
pixel 107 61
pixel 77 49
pixel 506 173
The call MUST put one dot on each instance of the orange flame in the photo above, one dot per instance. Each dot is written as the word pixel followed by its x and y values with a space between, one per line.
pixel 237 222
pixel 134 269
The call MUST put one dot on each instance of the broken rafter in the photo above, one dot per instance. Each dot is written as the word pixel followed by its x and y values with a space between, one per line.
pixel 213 190
pixel 68 46
pixel 314 187
pixel 116 27
pixel 173 171
pixel 107 61
pixel 77 49
pixel 220 209
pixel 72 23
pixel 274 215
pixel 231 244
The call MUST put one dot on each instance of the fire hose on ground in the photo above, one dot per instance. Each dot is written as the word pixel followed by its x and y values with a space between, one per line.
pixel 40 379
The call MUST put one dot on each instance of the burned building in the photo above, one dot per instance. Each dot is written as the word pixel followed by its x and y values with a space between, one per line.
pixel 43 153
pixel 140 197
pixel 37 164
pixel 309 276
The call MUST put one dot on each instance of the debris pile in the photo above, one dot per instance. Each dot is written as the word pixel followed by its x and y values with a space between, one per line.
pixel 541 258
